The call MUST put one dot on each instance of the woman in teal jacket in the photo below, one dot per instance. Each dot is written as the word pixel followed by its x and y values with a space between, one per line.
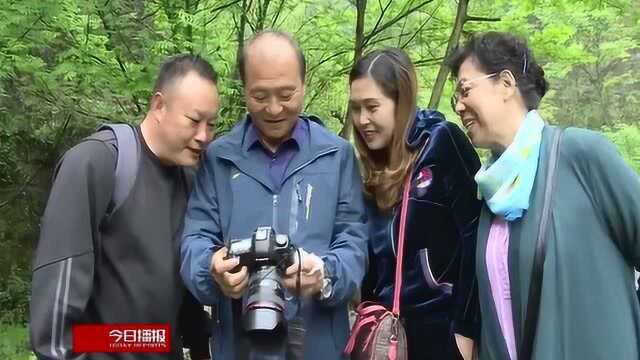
pixel 588 307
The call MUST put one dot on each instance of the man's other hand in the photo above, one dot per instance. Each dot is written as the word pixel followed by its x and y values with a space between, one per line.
pixel 232 284
pixel 311 275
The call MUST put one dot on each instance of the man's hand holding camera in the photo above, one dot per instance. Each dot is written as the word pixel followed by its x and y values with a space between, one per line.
pixel 311 275
pixel 232 284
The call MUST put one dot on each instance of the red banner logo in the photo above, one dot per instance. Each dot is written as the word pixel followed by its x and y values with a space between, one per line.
pixel 135 338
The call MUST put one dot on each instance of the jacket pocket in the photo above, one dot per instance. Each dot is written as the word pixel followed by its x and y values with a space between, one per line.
pixel 313 204
pixel 297 202
pixel 427 272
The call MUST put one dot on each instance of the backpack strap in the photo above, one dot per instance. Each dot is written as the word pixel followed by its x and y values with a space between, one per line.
pixel 127 162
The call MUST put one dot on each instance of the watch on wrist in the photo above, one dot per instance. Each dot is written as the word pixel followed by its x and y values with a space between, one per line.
pixel 327 285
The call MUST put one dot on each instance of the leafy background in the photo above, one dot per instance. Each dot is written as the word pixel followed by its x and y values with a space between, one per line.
pixel 68 65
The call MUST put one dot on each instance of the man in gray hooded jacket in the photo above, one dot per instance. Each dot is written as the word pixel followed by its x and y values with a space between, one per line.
pixel 100 263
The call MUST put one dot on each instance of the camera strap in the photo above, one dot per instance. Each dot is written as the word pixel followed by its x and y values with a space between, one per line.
pixel 298 280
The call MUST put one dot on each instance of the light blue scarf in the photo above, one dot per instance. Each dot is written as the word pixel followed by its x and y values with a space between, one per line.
pixel 506 182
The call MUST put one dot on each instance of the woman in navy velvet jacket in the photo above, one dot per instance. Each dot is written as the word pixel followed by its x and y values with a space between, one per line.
pixel 438 300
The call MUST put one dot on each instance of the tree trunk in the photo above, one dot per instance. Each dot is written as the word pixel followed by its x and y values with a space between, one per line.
pixel 461 17
pixel 361 6
pixel 190 8
pixel 263 9
pixel 241 29
pixel 237 102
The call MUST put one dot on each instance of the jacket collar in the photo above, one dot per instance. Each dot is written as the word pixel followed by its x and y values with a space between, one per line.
pixel 231 147
pixel 421 127
pixel 299 135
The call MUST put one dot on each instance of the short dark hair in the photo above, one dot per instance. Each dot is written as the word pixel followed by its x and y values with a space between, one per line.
pixel 280 34
pixel 496 51
pixel 179 66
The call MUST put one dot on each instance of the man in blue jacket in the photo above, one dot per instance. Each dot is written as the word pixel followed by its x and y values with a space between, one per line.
pixel 280 169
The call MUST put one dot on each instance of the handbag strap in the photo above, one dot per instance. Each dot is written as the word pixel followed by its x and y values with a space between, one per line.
pixel 535 287
pixel 400 256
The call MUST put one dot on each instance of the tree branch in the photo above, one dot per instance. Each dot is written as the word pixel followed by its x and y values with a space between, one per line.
pixel 218 11
pixel 124 111
pixel 404 24
pixel 151 14
pixel 425 62
pixel 328 58
pixel 71 41
pixel 378 40
pixel 319 90
pixel 307 21
pixel 277 15
pixel 30 178
pixel 30 28
pixel 391 22
pixel 454 38
pixel 240 36
pixel 480 18
pixel 361 7
pixel 217 7
pixel 429 18
pixel 263 9
pixel 123 68
pixel 381 16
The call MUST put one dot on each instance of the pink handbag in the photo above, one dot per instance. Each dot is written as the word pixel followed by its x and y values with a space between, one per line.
pixel 377 332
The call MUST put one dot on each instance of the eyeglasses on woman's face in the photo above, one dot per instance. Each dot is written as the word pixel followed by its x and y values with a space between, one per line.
pixel 464 87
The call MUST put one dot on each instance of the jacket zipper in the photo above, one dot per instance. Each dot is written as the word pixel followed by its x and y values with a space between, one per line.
pixel 275 212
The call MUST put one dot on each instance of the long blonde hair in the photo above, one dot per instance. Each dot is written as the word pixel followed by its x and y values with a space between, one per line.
pixel 384 170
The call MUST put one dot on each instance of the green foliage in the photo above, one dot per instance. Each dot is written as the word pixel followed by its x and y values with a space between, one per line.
pixel 14 296
pixel 627 139
pixel 14 343
pixel 589 55
pixel 68 65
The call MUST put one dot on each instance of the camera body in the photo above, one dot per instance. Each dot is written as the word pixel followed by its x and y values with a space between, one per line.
pixel 263 248
pixel 266 256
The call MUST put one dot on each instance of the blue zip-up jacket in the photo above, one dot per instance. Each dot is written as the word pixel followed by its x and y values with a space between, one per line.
pixel 319 205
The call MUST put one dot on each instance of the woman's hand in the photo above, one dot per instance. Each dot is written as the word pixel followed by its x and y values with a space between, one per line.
pixel 465 346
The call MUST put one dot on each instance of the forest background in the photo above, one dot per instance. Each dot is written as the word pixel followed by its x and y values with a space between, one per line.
pixel 68 65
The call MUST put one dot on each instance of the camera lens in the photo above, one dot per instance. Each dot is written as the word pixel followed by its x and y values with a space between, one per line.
pixel 264 306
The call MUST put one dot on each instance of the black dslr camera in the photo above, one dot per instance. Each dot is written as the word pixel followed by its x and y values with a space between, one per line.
pixel 266 255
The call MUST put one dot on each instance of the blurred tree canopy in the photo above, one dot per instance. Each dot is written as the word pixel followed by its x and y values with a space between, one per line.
pixel 68 65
